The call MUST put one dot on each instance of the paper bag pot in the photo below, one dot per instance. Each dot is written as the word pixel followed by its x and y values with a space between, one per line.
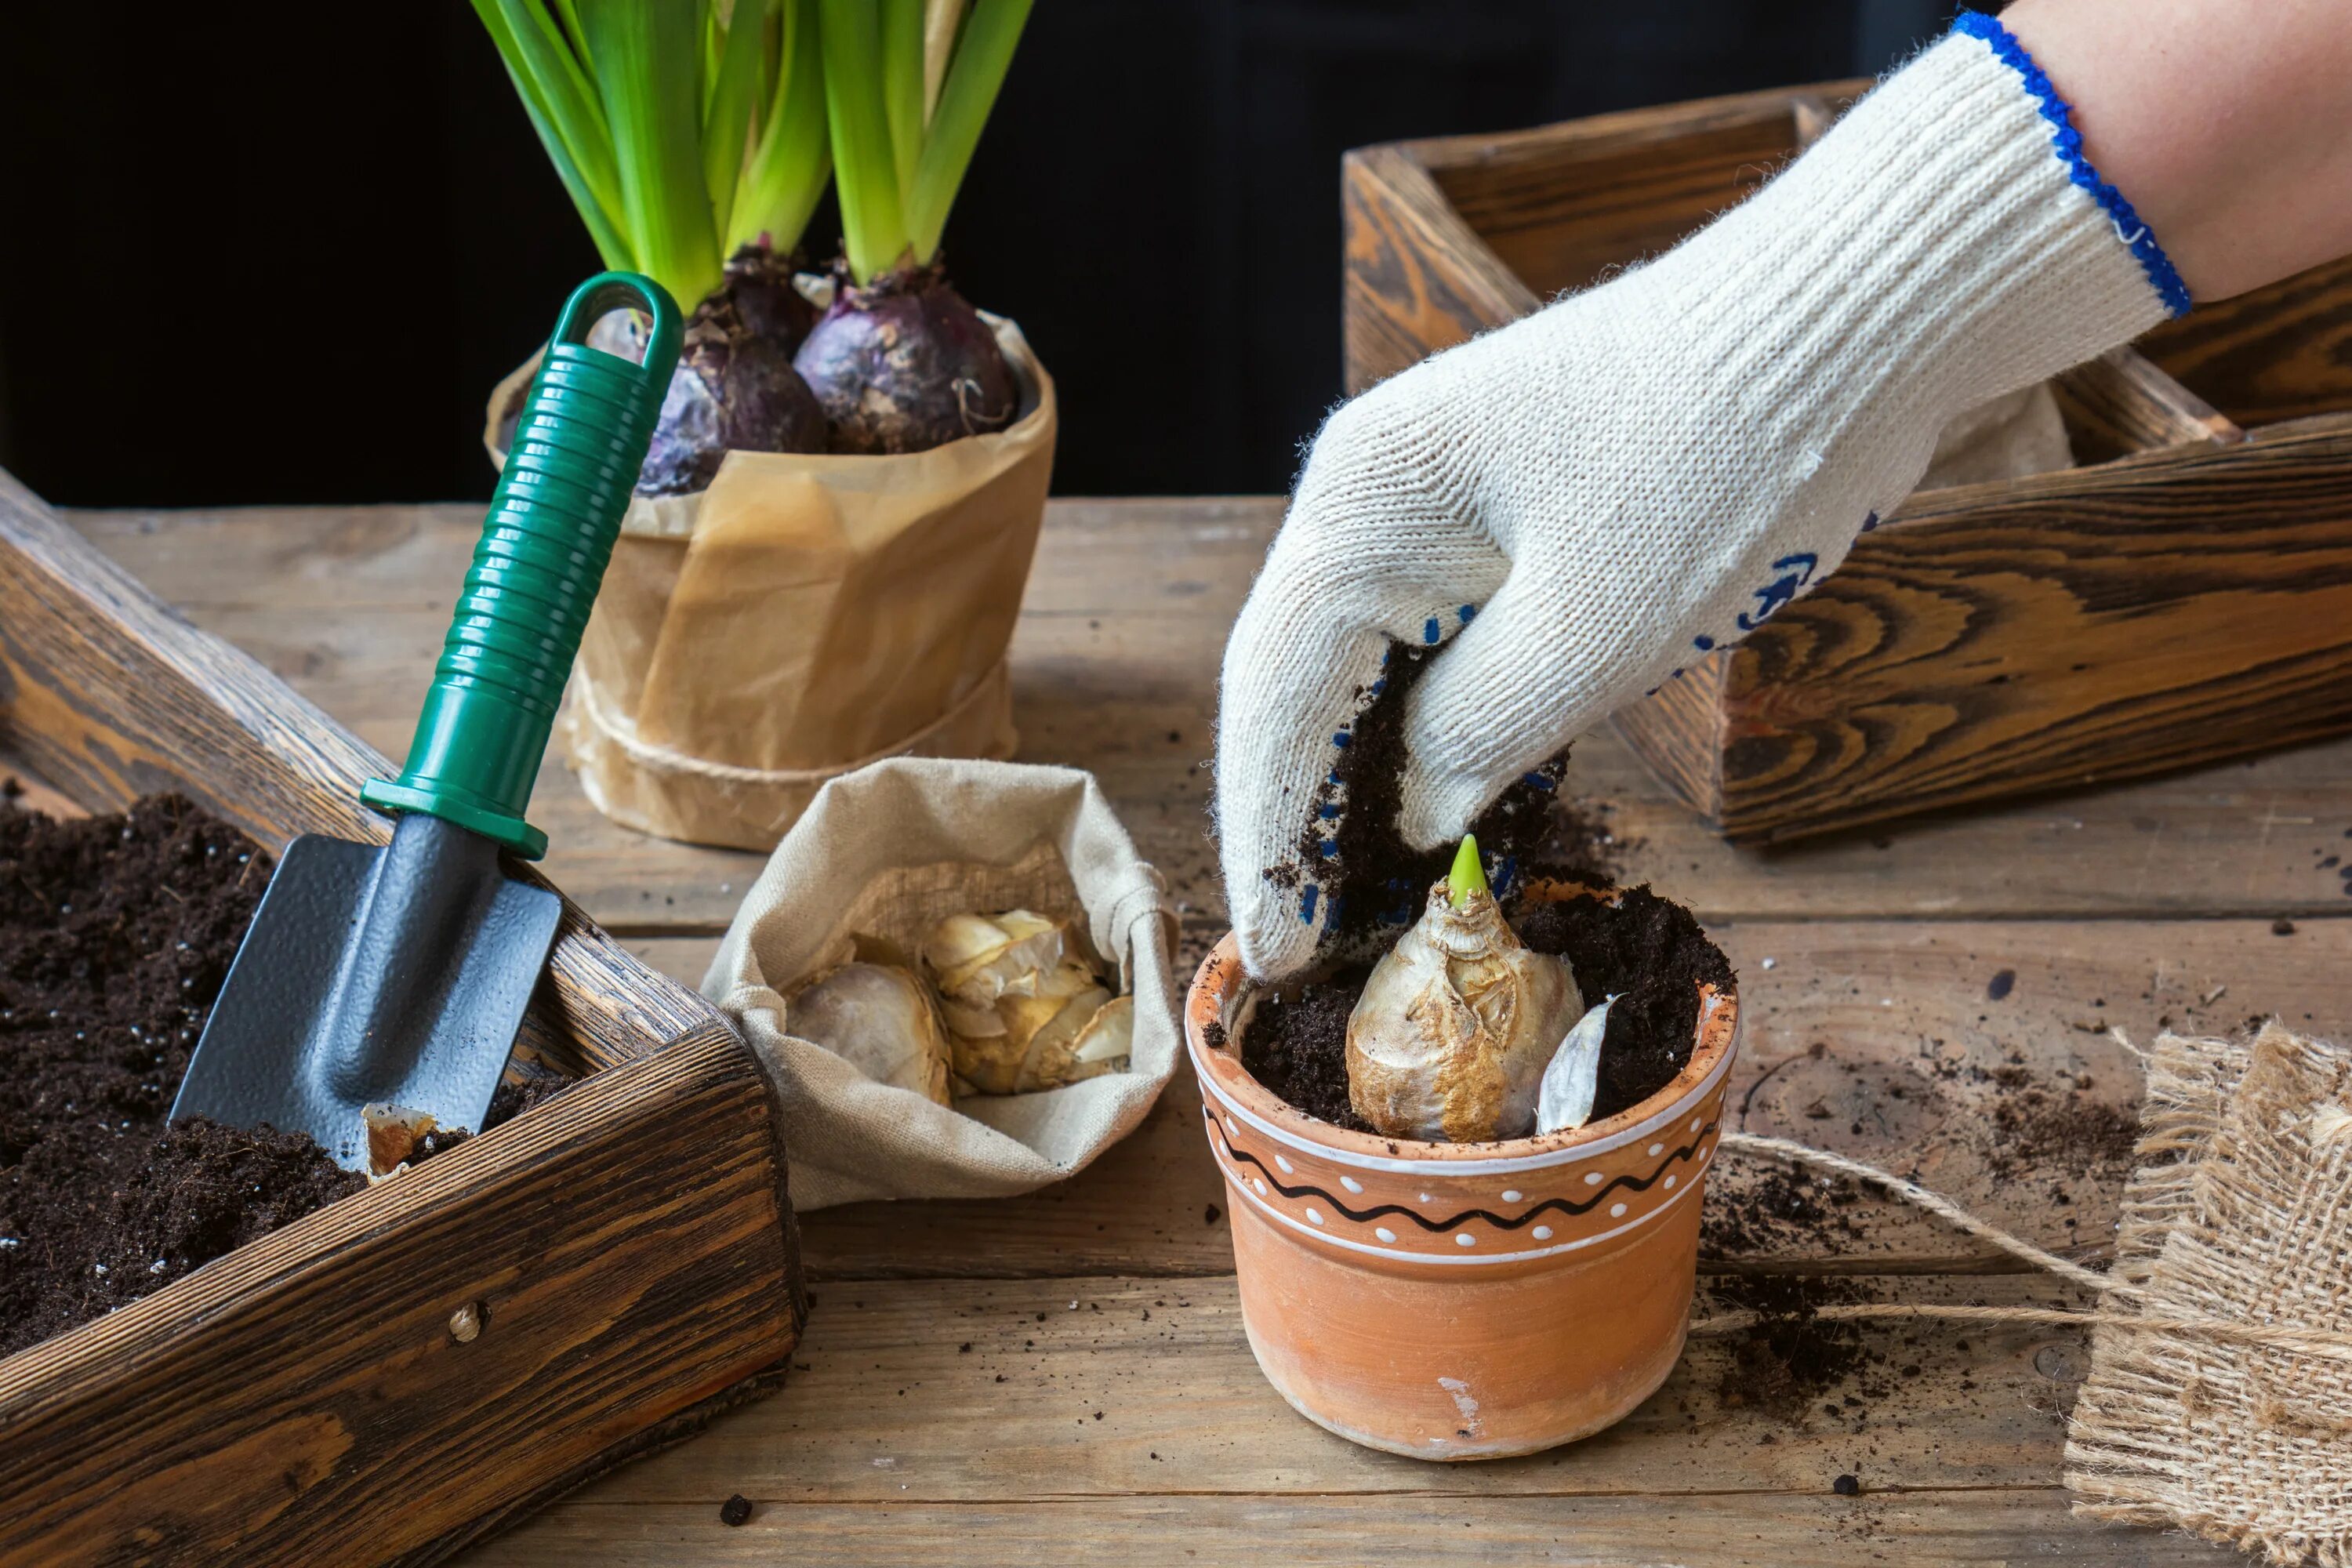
pixel 804 616
pixel 1466 1301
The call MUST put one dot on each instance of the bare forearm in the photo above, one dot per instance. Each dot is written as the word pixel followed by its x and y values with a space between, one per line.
pixel 2228 125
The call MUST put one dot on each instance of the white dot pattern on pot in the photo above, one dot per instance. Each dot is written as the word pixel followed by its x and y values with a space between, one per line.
pixel 1343 1198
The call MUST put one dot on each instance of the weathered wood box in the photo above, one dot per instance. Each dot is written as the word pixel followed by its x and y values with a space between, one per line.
pixel 628 1248
pixel 2184 594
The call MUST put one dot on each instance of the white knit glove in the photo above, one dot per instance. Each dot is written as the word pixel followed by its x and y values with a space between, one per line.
pixel 1648 470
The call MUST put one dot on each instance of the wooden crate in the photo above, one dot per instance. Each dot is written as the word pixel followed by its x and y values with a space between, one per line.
pixel 2184 595
pixel 629 1246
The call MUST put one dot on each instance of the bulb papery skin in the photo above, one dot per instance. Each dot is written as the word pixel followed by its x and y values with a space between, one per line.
pixel 1450 1038
pixel 1022 1013
pixel 880 1019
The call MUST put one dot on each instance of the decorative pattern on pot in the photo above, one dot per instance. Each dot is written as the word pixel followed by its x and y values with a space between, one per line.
pixel 1453 1302
pixel 1495 1215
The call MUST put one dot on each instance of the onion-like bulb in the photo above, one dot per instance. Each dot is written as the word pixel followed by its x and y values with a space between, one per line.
pixel 1450 1038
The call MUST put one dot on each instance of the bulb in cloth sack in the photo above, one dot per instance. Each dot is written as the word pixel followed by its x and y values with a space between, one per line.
pixel 1022 1013
pixel 1450 1038
pixel 877 1018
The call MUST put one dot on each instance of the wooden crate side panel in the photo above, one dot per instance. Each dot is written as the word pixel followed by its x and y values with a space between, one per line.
pixel 1677 730
pixel 1416 280
pixel 109 696
pixel 2053 632
pixel 2277 353
pixel 2122 403
pixel 1561 214
pixel 304 1400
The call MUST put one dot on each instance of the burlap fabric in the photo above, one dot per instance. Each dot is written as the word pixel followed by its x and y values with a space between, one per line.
pixel 2239 1211
pixel 889 851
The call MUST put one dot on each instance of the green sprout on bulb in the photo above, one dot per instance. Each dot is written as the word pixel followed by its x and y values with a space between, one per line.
pixel 1468 876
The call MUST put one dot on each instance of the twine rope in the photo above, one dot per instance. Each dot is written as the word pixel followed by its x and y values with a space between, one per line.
pixel 2316 1342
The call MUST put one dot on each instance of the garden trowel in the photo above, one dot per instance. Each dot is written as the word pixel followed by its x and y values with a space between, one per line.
pixel 387 983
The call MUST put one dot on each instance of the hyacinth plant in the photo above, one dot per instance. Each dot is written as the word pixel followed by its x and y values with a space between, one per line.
pixel 696 139
pixel 901 362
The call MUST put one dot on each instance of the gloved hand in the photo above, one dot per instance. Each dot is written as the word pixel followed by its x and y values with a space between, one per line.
pixel 1586 500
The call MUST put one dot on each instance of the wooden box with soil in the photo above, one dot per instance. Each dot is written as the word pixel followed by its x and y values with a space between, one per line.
pixel 2184 594
pixel 409 1366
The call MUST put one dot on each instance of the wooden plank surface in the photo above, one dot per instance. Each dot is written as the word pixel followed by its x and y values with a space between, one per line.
pixel 1907 993
pixel 1114 668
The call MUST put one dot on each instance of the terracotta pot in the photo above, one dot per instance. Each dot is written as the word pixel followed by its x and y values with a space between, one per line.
pixel 1463 1302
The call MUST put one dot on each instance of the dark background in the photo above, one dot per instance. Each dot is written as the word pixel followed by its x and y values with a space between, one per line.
pixel 277 253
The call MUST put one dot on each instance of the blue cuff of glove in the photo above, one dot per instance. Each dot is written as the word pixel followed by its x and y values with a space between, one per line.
pixel 2067 143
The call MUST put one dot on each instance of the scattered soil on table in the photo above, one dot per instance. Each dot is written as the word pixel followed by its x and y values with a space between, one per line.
pixel 115 935
pixel 1791 1356
pixel 1646 951
pixel 1778 1209
pixel 1373 878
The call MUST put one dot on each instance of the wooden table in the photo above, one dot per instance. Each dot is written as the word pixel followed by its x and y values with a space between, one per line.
pixel 1063 1376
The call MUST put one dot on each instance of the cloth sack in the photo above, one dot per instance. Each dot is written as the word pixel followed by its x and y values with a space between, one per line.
pixel 801 617
pixel 889 851
pixel 2236 1214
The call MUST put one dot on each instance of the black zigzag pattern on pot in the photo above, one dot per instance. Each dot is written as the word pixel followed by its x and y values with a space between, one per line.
pixel 1683 1155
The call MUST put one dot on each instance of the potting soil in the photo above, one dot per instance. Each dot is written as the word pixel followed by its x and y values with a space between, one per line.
pixel 1646 951
pixel 115 935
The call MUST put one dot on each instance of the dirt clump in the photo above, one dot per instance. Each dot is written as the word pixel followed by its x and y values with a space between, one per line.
pixel 1375 880
pixel 1791 1356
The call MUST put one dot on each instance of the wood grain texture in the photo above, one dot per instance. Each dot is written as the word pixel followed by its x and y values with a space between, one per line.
pixel 615 1295
pixel 1883 954
pixel 1115 667
pixel 111 696
pixel 1417 278
pixel 1994 1527
pixel 1878 1039
pixel 2279 353
pixel 2120 404
pixel 2054 632
pixel 1974 1410
pixel 302 1399
pixel 1839 714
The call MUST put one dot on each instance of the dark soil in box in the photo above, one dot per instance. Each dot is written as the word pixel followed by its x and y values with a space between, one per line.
pixel 115 935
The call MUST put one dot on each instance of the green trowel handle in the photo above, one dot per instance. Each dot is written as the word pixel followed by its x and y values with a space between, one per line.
pixel 573 461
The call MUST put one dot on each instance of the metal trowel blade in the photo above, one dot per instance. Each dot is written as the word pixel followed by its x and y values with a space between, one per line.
pixel 374 975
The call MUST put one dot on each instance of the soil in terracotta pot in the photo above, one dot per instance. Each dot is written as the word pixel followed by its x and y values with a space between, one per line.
pixel 115 935
pixel 1646 951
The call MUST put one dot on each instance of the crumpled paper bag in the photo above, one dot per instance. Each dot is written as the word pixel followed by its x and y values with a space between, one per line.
pixel 889 851
pixel 802 617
